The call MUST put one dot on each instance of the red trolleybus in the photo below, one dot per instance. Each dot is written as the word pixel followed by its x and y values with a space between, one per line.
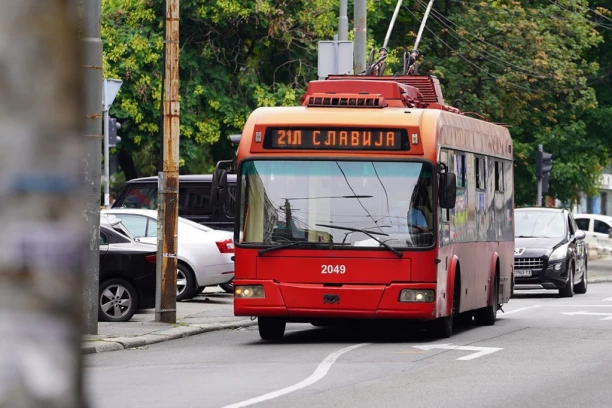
pixel 372 200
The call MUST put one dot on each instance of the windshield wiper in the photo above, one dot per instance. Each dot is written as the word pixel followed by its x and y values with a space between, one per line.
pixel 292 244
pixel 369 234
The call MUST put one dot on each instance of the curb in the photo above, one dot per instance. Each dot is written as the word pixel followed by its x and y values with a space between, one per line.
pixel 599 279
pixel 124 343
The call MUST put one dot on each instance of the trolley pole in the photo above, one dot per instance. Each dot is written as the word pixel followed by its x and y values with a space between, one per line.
pixel 44 237
pixel 343 21
pixel 167 224
pixel 359 52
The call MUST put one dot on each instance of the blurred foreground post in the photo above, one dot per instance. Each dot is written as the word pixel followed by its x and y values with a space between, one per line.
pixel 167 217
pixel 43 236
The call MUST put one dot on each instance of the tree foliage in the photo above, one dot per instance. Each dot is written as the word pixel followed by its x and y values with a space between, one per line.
pixel 541 67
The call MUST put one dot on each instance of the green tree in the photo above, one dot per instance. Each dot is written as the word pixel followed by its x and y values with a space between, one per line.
pixel 236 55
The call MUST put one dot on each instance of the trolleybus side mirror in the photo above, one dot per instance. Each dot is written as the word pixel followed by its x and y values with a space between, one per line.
pixel 448 190
pixel 219 187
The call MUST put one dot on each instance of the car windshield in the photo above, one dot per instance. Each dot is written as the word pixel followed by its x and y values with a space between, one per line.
pixel 539 224
pixel 312 201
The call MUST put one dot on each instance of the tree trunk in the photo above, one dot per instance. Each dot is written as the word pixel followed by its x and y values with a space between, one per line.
pixel 127 165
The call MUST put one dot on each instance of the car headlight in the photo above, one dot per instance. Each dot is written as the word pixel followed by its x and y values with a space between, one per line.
pixel 416 295
pixel 249 292
pixel 559 253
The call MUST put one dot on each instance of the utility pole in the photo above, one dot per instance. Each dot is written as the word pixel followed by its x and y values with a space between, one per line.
pixel 343 21
pixel 360 15
pixel 43 237
pixel 92 86
pixel 167 218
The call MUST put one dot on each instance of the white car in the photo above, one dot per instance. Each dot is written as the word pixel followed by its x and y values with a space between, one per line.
pixel 204 254
pixel 598 229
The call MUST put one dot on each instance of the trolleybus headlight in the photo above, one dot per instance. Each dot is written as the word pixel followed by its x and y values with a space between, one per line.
pixel 250 292
pixel 416 295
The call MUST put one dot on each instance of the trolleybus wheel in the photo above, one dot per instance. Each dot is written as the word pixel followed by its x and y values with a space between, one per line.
pixel 487 315
pixel 271 328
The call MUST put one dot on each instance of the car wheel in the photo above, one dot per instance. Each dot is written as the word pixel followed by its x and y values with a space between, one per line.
pixel 568 290
pixel 487 315
pixel 185 283
pixel 271 328
pixel 228 287
pixel 581 288
pixel 118 301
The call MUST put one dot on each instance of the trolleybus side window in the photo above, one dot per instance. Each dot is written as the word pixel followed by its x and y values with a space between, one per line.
pixel 499 177
pixel 461 170
pixel 480 173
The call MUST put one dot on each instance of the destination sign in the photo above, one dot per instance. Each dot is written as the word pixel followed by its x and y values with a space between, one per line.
pixel 346 138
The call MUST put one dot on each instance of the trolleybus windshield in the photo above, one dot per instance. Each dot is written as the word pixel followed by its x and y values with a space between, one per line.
pixel 283 201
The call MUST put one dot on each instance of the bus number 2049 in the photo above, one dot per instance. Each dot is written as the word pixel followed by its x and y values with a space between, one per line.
pixel 329 269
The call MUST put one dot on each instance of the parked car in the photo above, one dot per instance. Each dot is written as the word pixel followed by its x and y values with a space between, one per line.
pixel 127 273
pixel 598 229
pixel 194 199
pixel 204 254
pixel 550 252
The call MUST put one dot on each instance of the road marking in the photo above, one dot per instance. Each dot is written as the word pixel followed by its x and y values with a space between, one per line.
pixel 319 373
pixel 609 315
pixel 521 309
pixel 570 305
pixel 608 299
pixel 480 351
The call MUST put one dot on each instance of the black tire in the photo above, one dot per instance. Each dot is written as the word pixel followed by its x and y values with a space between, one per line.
pixel 117 301
pixel 582 287
pixel 488 315
pixel 442 327
pixel 271 328
pixel 185 283
pixel 228 287
pixel 568 290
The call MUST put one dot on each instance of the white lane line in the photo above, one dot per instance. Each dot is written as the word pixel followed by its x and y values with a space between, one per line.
pixel 520 310
pixel 570 305
pixel 319 373
pixel 608 299
pixel 609 315
pixel 480 351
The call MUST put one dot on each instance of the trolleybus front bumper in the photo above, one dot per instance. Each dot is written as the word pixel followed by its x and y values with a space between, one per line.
pixel 295 300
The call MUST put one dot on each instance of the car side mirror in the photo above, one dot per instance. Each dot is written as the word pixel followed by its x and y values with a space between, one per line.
pixel 448 190
pixel 580 234
pixel 219 187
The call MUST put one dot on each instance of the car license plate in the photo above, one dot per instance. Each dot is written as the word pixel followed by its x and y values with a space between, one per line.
pixel 522 273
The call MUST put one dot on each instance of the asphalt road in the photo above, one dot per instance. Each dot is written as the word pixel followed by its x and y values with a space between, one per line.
pixel 543 352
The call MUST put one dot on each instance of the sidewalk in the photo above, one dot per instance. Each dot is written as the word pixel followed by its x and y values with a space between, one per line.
pixel 210 311
pixel 600 270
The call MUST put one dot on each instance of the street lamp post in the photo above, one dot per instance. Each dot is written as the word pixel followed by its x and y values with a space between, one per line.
pixel 109 92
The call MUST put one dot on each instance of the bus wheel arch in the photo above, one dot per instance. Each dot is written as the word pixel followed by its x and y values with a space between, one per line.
pixel 442 327
pixel 453 286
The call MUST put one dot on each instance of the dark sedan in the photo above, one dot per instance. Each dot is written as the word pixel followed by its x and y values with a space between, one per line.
pixel 127 273
pixel 549 251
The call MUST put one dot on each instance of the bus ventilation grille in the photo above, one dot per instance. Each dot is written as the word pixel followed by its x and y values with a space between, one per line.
pixel 345 101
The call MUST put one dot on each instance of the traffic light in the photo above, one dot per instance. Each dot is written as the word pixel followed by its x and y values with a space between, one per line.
pixel 545 183
pixel 543 164
pixel 113 127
